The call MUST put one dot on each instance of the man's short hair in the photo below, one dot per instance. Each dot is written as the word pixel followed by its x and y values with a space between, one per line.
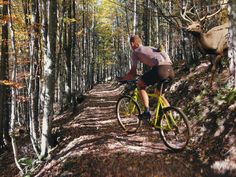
pixel 160 48
pixel 135 39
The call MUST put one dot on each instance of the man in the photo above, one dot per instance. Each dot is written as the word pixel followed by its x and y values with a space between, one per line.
pixel 161 69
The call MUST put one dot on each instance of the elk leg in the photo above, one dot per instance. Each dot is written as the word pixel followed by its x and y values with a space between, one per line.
pixel 220 66
pixel 218 62
pixel 211 58
pixel 213 69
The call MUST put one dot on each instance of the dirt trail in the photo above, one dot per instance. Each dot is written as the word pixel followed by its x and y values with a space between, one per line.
pixel 93 144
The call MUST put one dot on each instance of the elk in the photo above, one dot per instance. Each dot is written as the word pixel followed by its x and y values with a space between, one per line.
pixel 213 41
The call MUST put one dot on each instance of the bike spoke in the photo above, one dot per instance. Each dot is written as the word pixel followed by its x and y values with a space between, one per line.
pixel 174 129
pixel 127 114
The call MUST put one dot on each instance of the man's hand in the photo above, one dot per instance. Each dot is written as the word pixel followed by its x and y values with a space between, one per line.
pixel 119 78
pixel 126 77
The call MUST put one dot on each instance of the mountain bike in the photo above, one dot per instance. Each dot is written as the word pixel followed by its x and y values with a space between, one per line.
pixel 171 122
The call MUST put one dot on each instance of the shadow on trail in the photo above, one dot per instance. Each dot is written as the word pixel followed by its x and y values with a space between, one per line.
pixel 93 144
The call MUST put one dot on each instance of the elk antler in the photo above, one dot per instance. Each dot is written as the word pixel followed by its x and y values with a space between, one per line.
pixel 211 15
pixel 186 11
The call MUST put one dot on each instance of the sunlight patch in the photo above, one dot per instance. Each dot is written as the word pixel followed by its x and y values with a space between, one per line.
pixel 175 86
pixel 98 109
pixel 115 146
pixel 220 128
pixel 76 142
pixel 135 148
pixel 227 165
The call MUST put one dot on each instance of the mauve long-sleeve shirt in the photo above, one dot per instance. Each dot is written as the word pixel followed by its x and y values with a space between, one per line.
pixel 149 56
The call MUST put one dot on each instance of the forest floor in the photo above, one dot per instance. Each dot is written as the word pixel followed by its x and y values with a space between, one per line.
pixel 91 143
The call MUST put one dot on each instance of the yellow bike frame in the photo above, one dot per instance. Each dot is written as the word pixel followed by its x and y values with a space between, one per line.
pixel 160 104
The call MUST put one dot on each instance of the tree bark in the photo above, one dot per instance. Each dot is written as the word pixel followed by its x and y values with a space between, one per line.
pixel 68 47
pixel 49 31
pixel 33 89
pixel 13 90
pixel 4 76
pixel 232 42
pixel 60 64
pixel 135 17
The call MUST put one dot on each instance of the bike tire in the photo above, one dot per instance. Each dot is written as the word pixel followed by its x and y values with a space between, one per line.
pixel 127 111
pixel 175 134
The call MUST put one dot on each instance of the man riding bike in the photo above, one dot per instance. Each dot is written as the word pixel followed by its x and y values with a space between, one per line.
pixel 161 69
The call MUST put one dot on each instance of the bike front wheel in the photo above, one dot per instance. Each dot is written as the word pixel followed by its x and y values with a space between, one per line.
pixel 174 128
pixel 127 111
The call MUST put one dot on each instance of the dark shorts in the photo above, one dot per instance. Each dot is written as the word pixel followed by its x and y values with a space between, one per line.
pixel 158 74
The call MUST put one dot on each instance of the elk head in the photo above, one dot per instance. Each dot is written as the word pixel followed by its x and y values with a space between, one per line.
pixel 196 26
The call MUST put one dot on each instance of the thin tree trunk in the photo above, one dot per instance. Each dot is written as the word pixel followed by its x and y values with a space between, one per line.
pixel 157 24
pixel 13 92
pixel 4 109
pixel 68 46
pixel 127 19
pixel 60 64
pixel 135 17
pixel 25 107
pixel 93 47
pixel 33 89
pixel 232 42
pixel 146 25
pixel 49 31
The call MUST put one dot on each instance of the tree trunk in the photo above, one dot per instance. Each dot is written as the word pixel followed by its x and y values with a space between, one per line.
pixel 232 42
pixel 33 89
pixel 13 91
pixel 4 90
pixel 68 48
pixel 146 26
pixel 135 17
pixel 49 33
pixel 60 64
pixel 157 25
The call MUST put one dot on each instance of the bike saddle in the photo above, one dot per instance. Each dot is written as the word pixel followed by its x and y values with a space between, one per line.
pixel 165 81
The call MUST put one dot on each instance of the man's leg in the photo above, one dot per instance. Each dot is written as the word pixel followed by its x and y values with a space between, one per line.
pixel 144 97
pixel 141 85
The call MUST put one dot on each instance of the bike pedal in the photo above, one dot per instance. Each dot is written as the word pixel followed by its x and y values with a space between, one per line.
pixel 146 121
pixel 151 122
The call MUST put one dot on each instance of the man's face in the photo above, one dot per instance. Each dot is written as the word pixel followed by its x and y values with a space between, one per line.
pixel 134 45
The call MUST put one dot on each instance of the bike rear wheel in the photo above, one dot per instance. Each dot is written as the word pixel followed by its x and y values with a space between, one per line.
pixel 127 111
pixel 174 128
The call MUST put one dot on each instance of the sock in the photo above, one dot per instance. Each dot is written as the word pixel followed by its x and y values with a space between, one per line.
pixel 147 109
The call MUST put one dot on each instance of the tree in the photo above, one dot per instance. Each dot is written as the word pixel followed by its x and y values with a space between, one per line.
pixel 13 89
pixel 135 17
pixel 67 47
pixel 49 23
pixel 33 89
pixel 4 77
pixel 232 41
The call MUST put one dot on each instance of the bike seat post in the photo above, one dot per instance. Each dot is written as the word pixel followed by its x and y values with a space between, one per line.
pixel 161 89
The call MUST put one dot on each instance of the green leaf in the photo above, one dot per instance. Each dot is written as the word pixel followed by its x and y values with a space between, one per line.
pixel 231 96
pixel 27 175
pixel 25 161
pixel 69 20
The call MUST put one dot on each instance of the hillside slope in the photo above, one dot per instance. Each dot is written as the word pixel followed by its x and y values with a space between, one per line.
pixel 91 143
pixel 212 112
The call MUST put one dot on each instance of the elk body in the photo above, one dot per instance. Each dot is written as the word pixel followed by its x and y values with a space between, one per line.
pixel 213 41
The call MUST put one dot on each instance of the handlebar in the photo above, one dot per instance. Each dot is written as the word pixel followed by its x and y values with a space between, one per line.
pixel 133 81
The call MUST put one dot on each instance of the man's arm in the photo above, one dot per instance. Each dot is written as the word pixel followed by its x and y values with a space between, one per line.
pixel 130 75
